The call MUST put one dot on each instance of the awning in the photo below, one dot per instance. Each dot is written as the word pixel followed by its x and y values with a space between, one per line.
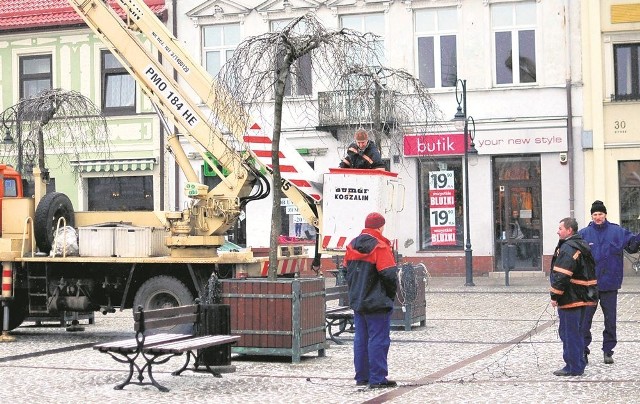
pixel 114 165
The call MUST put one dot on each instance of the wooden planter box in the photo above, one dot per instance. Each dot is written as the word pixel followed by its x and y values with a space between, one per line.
pixel 410 304
pixel 283 317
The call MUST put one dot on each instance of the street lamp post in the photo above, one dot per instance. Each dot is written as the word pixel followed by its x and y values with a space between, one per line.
pixel 461 121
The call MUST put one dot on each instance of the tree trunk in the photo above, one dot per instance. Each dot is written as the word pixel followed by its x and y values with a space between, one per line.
pixel 276 216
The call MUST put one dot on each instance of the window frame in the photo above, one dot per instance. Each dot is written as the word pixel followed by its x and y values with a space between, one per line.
pixel 437 34
pixel 380 42
pixel 634 72
pixel 516 31
pixel 105 73
pixel 223 49
pixel 624 186
pixel 27 77
pixel 301 69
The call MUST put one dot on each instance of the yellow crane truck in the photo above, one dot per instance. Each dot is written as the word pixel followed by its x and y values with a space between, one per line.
pixel 39 280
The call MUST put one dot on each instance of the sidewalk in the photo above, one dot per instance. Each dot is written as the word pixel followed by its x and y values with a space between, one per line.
pixel 486 343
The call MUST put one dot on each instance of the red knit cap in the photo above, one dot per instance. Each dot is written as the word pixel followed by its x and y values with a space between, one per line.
pixel 374 221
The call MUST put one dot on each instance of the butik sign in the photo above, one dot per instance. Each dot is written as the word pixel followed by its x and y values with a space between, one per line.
pixel 433 145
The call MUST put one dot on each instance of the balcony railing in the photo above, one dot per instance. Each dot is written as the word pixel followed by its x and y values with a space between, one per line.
pixel 348 108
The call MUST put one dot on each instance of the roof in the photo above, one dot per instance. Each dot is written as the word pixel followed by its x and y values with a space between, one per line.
pixel 37 14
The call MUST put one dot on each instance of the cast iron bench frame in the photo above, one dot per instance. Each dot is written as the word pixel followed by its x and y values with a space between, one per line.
pixel 159 348
pixel 340 316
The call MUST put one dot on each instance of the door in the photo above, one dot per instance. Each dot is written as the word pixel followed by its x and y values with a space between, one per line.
pixel 518 213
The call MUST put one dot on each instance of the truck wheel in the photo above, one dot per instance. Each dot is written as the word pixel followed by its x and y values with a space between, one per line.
pixel 17 311
pixel 52 206
pixel 161 292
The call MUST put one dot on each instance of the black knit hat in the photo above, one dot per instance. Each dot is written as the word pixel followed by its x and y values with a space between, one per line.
pixel 598 206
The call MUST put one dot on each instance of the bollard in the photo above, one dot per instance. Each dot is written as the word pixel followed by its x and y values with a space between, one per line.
pixel 7 293
pixel 508 260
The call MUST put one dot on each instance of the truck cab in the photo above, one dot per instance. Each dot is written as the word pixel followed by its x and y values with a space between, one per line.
pixel 11 185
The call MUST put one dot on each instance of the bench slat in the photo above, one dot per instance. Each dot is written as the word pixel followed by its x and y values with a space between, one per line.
pixel 151 324
pixel 191 344
pixel 168 312
pixel 131 344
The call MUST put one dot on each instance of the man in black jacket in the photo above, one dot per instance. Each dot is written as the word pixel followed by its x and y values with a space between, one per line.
pixel 362 153
pixel 372 278
pixel 573 288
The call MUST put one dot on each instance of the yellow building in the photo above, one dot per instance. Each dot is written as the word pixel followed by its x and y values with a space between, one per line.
pixel 611 135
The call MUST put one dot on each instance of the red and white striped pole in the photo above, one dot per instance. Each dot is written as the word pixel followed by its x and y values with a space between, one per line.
pixel 7 293
pixel 7 281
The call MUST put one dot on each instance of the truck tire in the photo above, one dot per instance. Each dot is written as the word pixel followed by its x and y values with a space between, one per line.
pixel 164 291
pixel 17 311
pixel 51 207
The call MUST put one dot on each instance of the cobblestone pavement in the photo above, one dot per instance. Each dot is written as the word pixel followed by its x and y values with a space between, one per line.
pixel 486 343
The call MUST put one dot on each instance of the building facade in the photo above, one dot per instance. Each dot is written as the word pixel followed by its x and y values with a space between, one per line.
pixel 611 136
pixel 520 61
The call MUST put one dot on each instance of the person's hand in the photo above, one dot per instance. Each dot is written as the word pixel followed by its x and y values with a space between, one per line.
pixel 554 303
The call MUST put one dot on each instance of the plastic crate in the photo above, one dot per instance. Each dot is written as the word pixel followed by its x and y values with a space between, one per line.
pixel 96 241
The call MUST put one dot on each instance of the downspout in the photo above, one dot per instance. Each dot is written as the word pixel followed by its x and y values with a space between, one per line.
pixel 176 168
pixel 570 153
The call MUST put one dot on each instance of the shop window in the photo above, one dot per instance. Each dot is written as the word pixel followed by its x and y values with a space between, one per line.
pixel 441 201
pixel 627 72
pixel 219 42
pixel 437 47
pixel 35 75
pixel 126 193
pixel 513 26
pixel 629 183
pixel 118 87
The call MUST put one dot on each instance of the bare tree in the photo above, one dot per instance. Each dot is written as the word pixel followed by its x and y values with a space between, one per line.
pixel 264 69
pixel 64 125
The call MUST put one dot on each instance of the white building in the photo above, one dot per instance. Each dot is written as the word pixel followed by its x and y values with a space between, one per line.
pixel 526 111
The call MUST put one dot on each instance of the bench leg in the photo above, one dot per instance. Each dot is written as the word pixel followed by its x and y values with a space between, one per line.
pixel 184 367
pixel 332 336
pixel 131 361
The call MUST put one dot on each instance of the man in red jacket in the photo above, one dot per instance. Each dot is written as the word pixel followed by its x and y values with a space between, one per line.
pixel 372 279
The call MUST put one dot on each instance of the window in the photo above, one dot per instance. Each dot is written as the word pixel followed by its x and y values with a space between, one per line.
pixel 441 224
pixel 219 42
pixel 10 187
pixel 627 71
pixel 128 193
pixel 629 183
pixel 513 26
pixel 299 80
pixel 437 46
pixel 373 23
pixel 35 75
pixel 118 86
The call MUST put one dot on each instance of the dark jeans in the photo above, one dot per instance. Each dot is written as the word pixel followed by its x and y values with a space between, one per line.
pixel 371 346
pixel 609 304
pixel 572 339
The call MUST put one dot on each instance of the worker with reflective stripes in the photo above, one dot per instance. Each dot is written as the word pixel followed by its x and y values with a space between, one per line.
pixel 573 288
pixel 362 153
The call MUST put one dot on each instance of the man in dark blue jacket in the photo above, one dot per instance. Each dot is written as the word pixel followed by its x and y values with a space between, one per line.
pixel 607 241
pixel 573 289
pixel 373 280
pixel 362 153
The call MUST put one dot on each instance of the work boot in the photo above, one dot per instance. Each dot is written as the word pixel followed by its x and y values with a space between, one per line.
pixel 384 385
pixel 608 358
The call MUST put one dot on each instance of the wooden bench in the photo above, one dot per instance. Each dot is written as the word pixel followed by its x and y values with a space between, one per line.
pixel 340 316
pixel 145 351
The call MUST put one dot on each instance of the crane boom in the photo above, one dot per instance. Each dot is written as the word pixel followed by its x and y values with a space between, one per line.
pixel 231 136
